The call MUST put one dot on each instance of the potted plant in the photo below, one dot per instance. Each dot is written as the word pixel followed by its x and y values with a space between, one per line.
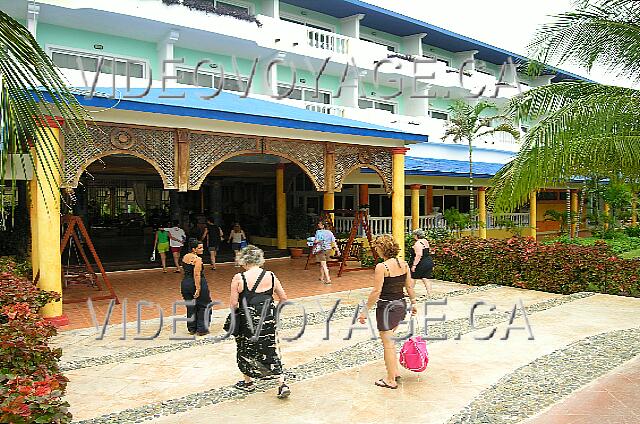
pixel 297 228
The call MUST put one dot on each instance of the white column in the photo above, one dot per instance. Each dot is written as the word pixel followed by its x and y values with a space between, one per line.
pixel 33 10
pixel 413 105
pixel 268 68
pixel 412 44
pixel 351 25
pixel 469 55
pixel 541 80
pixel 165 52
pixel 271 8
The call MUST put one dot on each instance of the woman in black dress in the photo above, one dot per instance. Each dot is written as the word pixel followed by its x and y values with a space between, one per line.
pixel 257 357
pixel 422 264
pixel 194 286
pixel 391 279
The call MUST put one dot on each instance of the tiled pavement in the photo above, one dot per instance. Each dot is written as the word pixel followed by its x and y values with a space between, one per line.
pixel 188 381
pixel 164 289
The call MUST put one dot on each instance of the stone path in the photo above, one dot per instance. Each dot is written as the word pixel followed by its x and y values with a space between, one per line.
pixel 577 339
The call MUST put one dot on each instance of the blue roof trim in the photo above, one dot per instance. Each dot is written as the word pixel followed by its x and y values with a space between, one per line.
pixel 230 107
pixel 446 168
pixel 395 23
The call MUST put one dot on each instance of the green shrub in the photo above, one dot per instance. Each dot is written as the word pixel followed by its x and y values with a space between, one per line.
pixel 31 386
pixel 619 244
pixel 632 231
pixel 522 262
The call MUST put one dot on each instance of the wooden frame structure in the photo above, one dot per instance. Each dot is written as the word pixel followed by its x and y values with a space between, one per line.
pixel 72 223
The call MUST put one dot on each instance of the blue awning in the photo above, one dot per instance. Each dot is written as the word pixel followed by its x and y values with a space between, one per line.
pixel 397 24
pixel 449 168
pixel 231 107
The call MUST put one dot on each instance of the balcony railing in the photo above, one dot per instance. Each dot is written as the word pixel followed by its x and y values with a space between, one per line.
pixel 326 40
pixel 324 108
pixel 381 225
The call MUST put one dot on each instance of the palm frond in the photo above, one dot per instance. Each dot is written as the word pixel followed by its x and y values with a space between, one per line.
pixel 30 88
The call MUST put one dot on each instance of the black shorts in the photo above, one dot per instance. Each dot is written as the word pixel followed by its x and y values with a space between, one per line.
pixel 396 311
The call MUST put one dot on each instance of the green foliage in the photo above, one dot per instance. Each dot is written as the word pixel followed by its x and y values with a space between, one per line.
pixel 632 231
pixel 631 255
pixel 617 241
pixel 521 262
pixel 560 217
pixel 456 220
pixel 31 386
pixel 368 261
pixel 299 225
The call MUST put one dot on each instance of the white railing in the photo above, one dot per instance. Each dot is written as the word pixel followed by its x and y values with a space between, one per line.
pixel 323 108
pixel 326 40
pixel 380 225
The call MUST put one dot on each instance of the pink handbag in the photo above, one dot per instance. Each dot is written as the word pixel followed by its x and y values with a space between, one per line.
pixel 413 354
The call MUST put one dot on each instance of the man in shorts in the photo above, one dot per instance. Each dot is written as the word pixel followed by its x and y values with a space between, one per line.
pixel 177 237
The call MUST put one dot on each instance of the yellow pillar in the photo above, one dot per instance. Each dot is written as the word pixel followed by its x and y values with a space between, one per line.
pixel 329 204
pixel 47 217
pixel 575 219
pixel 482 212
pixel 397 198
pixel 415 206
pixel 634 210
pixel 33 204
pixel 281 208
pixel 606 210
pixel 533 213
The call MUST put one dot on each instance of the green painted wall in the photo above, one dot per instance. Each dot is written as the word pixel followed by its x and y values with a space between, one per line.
pixel 118 46
pixel 320 18
pixel 192 57
pixel 426 49
pixel 440 104
pixel 383 90
pixel 383 36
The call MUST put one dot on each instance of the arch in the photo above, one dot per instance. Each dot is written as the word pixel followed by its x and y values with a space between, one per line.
pixel 76 178
pixel 374 168
pixel 228 156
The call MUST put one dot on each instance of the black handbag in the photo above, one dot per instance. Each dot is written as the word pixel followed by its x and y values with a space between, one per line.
pixel 227 323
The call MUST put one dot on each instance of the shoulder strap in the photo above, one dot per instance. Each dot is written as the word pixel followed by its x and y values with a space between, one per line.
pixel 423 246
pixel 244 282
pixel 387 268
pixel 273 280
pixel 253 290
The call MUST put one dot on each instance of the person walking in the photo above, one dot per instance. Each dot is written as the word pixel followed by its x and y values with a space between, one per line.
pixel 161 243
pixel 212 236
pixel 324 241
pixel 257 356
pixel 390 279
pixel 237 238
pixel 194 287
pixel 177 238
pixel 422 264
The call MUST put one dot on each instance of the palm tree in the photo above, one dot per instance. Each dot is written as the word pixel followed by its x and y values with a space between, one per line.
pixel 467 124
pixel 581 128
pixel 30 88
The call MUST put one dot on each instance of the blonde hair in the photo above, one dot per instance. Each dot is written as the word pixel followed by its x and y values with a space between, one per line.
pixel 251 255
pixel 388 247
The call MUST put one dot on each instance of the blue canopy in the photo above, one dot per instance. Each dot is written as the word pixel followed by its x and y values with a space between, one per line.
pixel 449 168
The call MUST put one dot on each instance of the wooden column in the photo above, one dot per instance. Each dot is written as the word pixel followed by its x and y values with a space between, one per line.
pixel 415 206
pixel 634 209
pixel 575 219
pixel 533 213
pixel 281 207
pixel 397 198
pixel 328 198
pixel 428 200
pixel 182 159
pixel 363 194
pixel 482 212
pixel 47 217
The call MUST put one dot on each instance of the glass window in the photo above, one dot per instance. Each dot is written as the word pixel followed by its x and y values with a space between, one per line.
pixel 439 115
pixel 380 43
pixel 323 97
pixel 296 93
pixel 186 77
pixel 69 60
pixel 229 84
pixel 365 104
pixel 386 106
pixel 232 7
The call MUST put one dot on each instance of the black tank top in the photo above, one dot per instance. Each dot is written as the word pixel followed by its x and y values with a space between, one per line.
pixel 393 287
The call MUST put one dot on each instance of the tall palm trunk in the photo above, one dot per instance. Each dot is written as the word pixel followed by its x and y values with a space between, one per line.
pixel 471 196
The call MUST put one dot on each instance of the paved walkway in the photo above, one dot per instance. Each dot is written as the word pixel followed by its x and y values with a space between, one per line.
pixel 583 344
pixel 164 289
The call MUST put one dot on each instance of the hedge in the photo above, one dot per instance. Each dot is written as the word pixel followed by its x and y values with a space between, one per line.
pixel 522 262
pixel 31 386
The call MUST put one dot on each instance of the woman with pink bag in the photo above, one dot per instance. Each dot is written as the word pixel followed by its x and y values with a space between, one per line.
pixel 390 279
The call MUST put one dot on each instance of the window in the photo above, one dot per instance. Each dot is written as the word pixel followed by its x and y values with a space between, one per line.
pixel 186 77
pixel 438 59
pixel 389 47
pixel 376 104
pixel 306 94
pixel 439 115
pixel 305 22
pixel 483 71
pixel 89 62
pixel 232 7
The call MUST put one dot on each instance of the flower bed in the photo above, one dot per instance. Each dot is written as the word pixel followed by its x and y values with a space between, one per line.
pixel 522 262
pixel 31 386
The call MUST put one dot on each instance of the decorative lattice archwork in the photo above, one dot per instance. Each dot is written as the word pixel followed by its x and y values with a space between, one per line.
pixel 309 156
pixel 351 157
pixel 156 146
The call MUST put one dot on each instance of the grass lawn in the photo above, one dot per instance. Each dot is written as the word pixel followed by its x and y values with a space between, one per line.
pixel 632 254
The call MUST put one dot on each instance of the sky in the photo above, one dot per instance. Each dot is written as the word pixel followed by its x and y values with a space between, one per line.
pixel 507 24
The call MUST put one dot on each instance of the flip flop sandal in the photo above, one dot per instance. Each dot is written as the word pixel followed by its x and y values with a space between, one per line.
pixel 381 383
